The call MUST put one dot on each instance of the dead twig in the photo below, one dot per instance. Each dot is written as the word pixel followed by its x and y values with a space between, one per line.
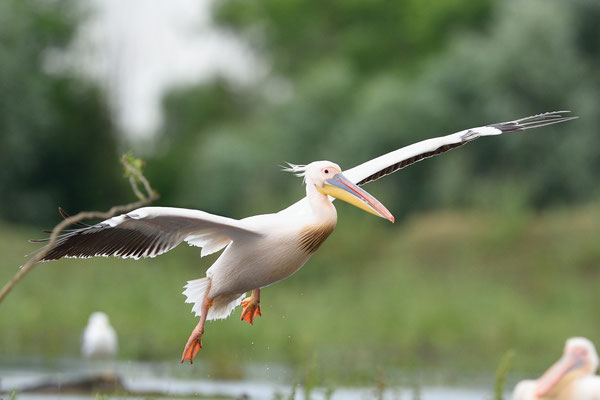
pixel 134 173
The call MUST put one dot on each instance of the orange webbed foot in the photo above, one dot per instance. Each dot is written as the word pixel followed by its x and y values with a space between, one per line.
pixel 191 349
pixel 194 343
pixel 251 310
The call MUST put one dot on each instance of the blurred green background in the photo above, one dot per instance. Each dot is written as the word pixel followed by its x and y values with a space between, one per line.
pixel 496 245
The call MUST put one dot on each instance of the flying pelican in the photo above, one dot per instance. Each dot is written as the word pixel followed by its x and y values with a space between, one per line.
pixel 262 249
pixel 570 378
pixel 99 338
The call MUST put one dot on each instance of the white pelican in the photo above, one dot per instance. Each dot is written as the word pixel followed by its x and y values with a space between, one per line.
pixel 262 249
pixel 99 339
pixel 570 378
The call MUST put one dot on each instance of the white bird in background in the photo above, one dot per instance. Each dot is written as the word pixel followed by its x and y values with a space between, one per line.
pixel 99 339
pixel 570 378
pixel 262 249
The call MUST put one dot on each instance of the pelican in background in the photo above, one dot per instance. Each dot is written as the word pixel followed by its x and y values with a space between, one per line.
pixel 262 249
pixel 99 338
pixel 570 378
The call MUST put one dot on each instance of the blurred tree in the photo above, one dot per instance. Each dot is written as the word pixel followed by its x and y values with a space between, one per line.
pixel 190 115
pixel 56 142
pixel 219 131
pixel 531 60
pixel 371 35
pixel 353 80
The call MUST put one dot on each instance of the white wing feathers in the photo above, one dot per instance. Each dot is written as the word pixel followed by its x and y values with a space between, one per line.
pixel 391 162
pixel 148 232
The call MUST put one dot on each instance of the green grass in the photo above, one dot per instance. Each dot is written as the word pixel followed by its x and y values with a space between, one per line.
pixel 445 290
pixel 501 372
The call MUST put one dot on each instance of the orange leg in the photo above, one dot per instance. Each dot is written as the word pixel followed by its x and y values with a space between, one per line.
pixel 194 343
pixel 251 307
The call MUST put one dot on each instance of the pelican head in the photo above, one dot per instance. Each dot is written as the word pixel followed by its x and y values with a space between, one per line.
pixel 98 318
pixel 579 359
pixel 328 179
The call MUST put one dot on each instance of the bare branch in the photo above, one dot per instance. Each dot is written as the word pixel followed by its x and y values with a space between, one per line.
pixel 135 189
pixel 135 175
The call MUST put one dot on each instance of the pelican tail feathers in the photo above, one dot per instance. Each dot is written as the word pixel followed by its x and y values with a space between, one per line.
pixel 223 305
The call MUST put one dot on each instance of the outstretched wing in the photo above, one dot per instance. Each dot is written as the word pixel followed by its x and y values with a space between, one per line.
pixel 398 159
pixel 148 232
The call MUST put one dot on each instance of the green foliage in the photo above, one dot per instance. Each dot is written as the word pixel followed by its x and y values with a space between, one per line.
pixel 56 142
pixel 380 384
pixel 293 390
pixel 501 372
pixel 192 115
pixel 136 163
pixel 529 62
pixel 333 93
pixel 347 81
pixel 440 292
pixel 368 36
pixel 329 391
pixel 310 378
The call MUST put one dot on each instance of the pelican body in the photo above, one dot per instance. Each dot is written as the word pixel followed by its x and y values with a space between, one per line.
pixel 251 263
pixel 99 338
pixel 263 249
pixel 570 378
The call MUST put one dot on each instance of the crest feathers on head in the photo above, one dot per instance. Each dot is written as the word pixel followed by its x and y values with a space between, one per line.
pixel 298 170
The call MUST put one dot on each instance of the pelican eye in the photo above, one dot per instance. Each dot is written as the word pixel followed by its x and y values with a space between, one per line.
pixel 326 171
